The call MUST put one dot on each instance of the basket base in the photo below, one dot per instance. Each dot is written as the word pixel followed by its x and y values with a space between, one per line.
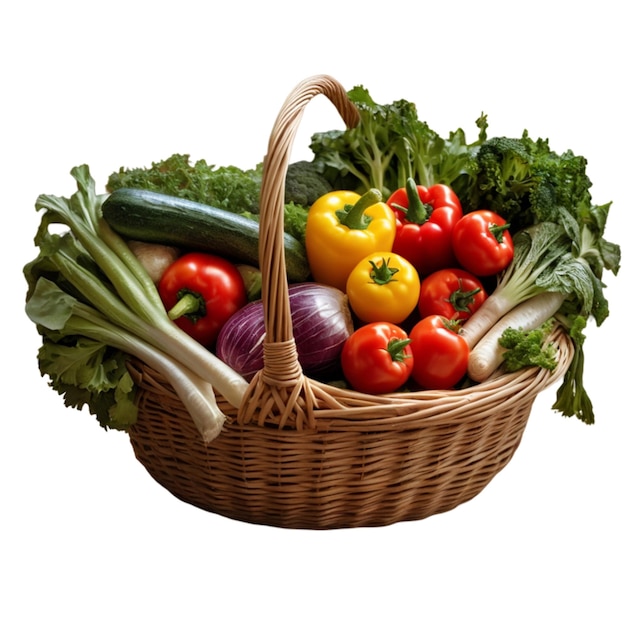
pixel 322 480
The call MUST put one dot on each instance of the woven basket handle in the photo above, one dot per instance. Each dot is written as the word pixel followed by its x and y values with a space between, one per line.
pixel 282 373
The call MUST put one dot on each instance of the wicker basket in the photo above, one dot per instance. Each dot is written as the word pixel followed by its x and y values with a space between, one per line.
pixel 302 454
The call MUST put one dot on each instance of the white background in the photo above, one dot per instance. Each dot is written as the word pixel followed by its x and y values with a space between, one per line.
pixel 86 537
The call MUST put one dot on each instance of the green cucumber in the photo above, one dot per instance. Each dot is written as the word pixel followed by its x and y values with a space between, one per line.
pixel 160 218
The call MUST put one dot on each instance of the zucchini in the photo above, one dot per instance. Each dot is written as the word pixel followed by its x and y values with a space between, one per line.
pixel 161 218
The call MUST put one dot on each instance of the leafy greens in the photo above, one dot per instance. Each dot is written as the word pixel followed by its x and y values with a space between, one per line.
pixel 93 303
pixel 544 196
pixel 391 144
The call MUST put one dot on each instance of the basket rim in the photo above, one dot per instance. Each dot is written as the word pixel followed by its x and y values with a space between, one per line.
pixel 361 410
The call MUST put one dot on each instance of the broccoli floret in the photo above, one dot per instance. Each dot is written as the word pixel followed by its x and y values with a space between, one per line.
pixel 505 162
pixel 528 348
pixel 304 183
pixel 526 182
pixel 504 178
pixel 566 177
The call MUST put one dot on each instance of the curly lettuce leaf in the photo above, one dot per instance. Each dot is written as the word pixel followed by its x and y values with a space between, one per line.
pixel 86 372
pixel 89 373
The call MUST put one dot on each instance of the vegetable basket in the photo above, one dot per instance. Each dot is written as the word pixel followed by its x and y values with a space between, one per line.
pixel 299 453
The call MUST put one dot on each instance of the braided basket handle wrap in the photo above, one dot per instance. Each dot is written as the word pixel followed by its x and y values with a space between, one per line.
pixel 280 393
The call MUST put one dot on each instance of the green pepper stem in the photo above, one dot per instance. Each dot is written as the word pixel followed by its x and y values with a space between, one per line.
pixel 416 212
pixel 353 216
pixel 498 231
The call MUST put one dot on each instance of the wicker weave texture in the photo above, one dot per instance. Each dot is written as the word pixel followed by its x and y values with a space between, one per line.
pixel 301 454
pixel 362 466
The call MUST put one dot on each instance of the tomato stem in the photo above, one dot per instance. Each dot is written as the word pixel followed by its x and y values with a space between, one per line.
pixel 353 215
pixel 461 300
pixel 452 325
pixel 190 304
pixel 382 274
pixel 396 347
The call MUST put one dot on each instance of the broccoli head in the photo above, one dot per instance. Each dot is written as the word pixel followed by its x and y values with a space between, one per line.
pixel 504 177
pixel 304 183
pixel 526 182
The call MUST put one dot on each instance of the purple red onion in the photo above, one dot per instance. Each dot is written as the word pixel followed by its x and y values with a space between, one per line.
pixel 321 320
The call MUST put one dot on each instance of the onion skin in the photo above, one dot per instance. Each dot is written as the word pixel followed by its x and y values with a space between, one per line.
pixel 321 320
pixel 154 257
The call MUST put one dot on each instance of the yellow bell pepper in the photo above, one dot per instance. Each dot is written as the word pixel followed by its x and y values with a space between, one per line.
pixel 343 228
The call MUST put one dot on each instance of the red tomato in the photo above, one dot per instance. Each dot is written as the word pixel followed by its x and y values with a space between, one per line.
pixel 200 292
pixel 452 293
pixel 440 354
pixel 425 218
pixel 377 358
pixel 482 243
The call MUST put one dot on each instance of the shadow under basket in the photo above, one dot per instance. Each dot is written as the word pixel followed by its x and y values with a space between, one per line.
pixel 300 454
